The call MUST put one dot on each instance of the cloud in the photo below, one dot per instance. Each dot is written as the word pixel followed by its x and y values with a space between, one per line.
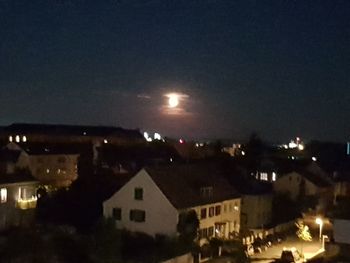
pixel 144 96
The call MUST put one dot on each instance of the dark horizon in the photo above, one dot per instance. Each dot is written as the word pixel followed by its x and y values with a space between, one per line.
pixel 278 68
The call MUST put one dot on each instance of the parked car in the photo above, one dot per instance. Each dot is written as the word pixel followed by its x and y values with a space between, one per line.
pixel 291 255
pixel 249 250
pixel 259 245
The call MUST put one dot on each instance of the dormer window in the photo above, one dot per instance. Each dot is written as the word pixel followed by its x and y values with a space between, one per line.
pixel 206 192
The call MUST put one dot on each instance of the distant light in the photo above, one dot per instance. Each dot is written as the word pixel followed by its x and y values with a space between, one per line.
pixel 24 138
pixel 285 146
pixel 157 136
pixel 147 137
pixel 217 231
pixel 84 133
pixel 105 141
pixel 197 144
pixel 243 153
pixel 319 221
pixel 298 139
pixel 10 138
pixel 293 158
pixel 171 160
pixel 274 175
pixel 292 145
pixel 17 138
pixel 181 141
pixel 314 158
pixel 47 171
pixel 300 147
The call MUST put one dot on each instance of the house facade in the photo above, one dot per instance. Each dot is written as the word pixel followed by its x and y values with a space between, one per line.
pixel 17 200
pixel 153 199
pixel 304 183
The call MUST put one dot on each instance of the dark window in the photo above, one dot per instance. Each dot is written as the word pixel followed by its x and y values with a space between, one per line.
pixel 211 211
pixel 138 194
pixel 206 192
pixel 211 231
pixel 117 213
pixel 217 210
pixel 203 213
pixel 290 178
pixel 137 215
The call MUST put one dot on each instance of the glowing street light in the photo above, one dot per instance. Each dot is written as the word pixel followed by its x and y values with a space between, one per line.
pixel 319 221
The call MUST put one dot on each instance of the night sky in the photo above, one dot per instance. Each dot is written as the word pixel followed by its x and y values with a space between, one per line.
pixel 280 68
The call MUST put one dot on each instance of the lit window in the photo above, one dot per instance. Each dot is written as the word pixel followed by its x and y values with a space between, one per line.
pixel 24 138
pixel 10 138
pixel 18 139
pixel 105 141
pixel 273 176
pixel 263 176
pixel 3 195
pixel 235 207
pixel 58 171
pixel 47 171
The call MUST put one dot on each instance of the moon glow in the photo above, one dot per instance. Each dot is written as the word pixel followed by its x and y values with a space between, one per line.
pixel 173 100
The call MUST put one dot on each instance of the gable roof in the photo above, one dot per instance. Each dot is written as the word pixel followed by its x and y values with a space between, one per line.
pixel 182 184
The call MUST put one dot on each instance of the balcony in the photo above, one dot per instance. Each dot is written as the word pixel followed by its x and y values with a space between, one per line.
pixel 26 203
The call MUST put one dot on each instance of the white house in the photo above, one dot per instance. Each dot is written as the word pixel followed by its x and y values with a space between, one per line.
pixel 153 199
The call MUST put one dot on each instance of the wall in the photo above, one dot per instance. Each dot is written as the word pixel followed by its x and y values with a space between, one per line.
pixel 161 216
pixel 257 210
pixel 341 230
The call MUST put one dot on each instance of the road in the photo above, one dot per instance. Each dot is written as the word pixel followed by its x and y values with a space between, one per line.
pixel 309 249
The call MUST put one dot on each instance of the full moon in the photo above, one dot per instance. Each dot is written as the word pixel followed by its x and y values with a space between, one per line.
pixel 173 100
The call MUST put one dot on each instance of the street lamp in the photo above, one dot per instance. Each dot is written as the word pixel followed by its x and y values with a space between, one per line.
pixel 319 221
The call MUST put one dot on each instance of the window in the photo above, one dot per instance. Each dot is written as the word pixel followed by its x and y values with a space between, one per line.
pixel 138 193
pixel 203 233
pixel 211 211
pixel 230 207
pixel 217 210
pixel 211 231
pixel 117 213
pixel 235 207
pixel 24 138
pixel 3 195
pixel 203 213
pixel 274 175
pixel 137 215
pixel 225 208
pixel 18 139
pixel 10 138
pixel 263 176
pixel 206 192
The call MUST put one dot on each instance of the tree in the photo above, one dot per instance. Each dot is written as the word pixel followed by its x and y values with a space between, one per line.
pixel 188 225
pixel 303 233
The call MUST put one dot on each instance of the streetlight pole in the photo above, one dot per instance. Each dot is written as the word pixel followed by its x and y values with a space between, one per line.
pixel 319 221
